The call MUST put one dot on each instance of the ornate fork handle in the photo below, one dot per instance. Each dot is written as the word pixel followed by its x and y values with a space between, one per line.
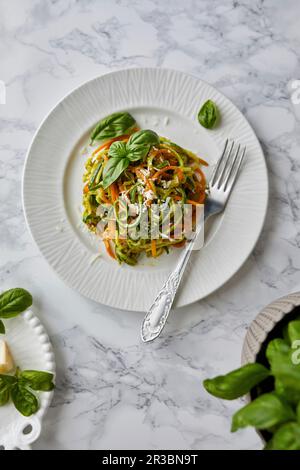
pixel 158 313
pixel 157 316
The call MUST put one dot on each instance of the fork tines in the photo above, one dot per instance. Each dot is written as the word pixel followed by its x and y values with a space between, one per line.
pixel 227 167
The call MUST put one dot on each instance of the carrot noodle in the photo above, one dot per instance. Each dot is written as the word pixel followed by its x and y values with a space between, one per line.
pixel 114 192
pixel 153 248
pixel 109 249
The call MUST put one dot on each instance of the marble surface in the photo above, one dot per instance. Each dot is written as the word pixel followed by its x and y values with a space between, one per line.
pixel 112 391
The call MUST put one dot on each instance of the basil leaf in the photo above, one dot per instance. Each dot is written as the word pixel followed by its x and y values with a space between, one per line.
pixel 237 383
pixel 292 396
pixel 2 328
pixel 113 169
pixel 112 126
pixel 264 412
pixel 118 150
pixel 6 382
pixel 37 380
pixel 208 114
pixel 13 302
pixel 287 437
pixel 294 331
pixel 140 143
pixel 280 356
pixel 276 346
pixel 144 137
pixel 24 400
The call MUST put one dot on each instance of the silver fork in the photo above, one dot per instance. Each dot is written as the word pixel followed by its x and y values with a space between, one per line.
pixel 219 188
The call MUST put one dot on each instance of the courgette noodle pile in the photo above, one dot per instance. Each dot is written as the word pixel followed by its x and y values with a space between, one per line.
pixel 168 174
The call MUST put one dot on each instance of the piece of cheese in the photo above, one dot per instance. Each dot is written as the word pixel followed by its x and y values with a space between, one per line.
pixel 6 360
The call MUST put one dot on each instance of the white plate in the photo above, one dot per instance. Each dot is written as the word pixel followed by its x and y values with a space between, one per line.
pixel 168 102
pixel 31 349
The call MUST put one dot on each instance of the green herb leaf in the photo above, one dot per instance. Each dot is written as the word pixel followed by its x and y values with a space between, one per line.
pixel 13 302
pixel 283 365
pixel 290 395
pixel 264 412
pixel 237 383
pixel 277 346
pixel 24 400
pixel 37 380
pixel 140 143
pixel 2 328
pixel 118 150
pixel 6 382
pixel 112 126
pixel 287 437
pixel 294 331
pixel 113 169
pixel 208 115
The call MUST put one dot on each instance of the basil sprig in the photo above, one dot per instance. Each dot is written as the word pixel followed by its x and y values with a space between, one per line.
pixel 237 383
pixel 121 154
pixel 6 383
pixel 12 303
pixel 277 411
pixel 112 126
pixel 208 115
pixel 287 437
pixel 266 411
pixel 20 388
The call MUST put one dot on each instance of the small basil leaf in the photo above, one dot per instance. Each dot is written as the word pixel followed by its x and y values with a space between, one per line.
pixel 276 346
pixel 140 143
pixel 24 400
pixel 2 328
pixel 4 394
pixel 7 379
pixel 112 126
pixel 37 380
pixel 283 366
pixel 118 150
pixel 113 169
pixel 294 331
pixel 143 137
pixel 287 437
pixel 264 412
pixel 6 382
pixel 292 396
pixel 237 383
pixel 208 115
pixel 13 302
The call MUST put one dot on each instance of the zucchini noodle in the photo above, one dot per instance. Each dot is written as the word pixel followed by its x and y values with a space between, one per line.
pixel 168 175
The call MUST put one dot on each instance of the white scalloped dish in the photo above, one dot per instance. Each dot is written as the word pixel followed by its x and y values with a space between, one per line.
pixel 167 102
pixel 31 349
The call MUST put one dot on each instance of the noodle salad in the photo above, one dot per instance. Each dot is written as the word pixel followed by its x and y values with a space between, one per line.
pixel 138 169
